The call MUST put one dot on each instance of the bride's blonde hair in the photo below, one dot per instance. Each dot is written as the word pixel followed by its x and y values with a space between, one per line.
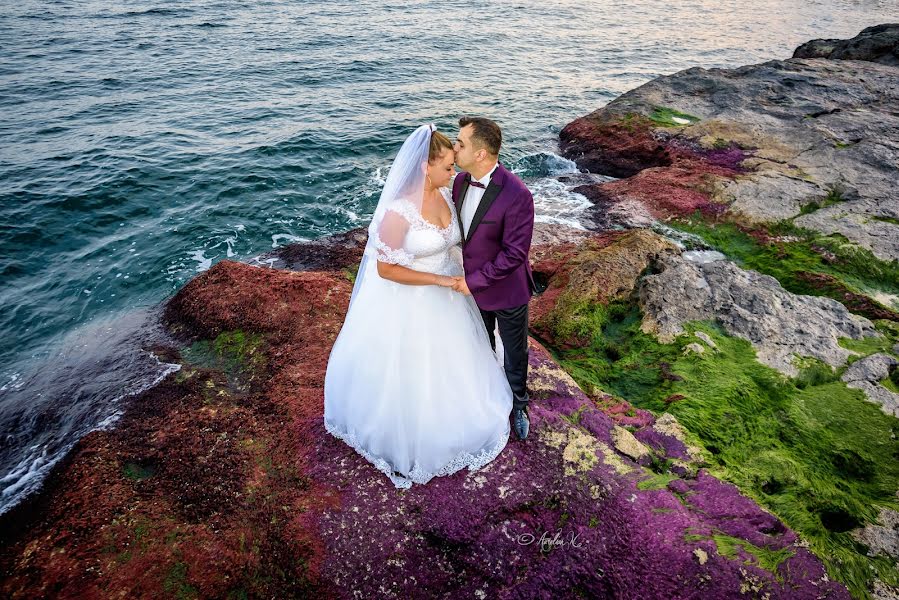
pixel 439 143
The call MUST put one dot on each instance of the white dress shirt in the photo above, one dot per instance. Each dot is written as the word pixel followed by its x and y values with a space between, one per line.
pixel 473 199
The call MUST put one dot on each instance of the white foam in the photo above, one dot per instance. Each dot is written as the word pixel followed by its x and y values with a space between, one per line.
pixel 199 256
pixel 270 261
pixel 681 239
pixel 167 369
pixel 379 177
pixel 352 216
pixel 29 471
pixel 286 236
pixel 11 384
pixel 555 202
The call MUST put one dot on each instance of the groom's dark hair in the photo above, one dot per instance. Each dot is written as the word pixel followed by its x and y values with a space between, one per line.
pixel 484 132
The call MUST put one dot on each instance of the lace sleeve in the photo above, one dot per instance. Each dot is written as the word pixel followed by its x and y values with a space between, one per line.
pixel 390 235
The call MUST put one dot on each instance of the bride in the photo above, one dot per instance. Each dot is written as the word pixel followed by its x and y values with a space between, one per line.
pixel 412 383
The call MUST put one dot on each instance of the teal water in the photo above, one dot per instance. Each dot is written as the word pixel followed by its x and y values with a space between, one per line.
pixel 142 144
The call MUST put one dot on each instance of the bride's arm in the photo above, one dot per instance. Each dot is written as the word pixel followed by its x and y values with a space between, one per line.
pixel 401 274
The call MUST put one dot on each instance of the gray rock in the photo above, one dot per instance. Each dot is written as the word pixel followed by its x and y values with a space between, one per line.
pixel 882 538
pixel 703 256
pixel 706 338
pixel 867 373
pixel 819 131
pixel 882 591
pixel 874 368
pixel 878 44
pixel 770 196
pixel 779 324
pixel 858 221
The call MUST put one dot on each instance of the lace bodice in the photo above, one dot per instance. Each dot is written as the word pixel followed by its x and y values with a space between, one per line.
pixel 426 246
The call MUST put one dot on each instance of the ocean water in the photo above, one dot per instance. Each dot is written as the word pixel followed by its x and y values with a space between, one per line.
pixel 144 141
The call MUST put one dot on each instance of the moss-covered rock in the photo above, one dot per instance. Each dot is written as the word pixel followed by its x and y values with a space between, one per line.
pixel 592 276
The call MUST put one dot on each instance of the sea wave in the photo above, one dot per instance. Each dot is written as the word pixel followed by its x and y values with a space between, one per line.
pixel 46 406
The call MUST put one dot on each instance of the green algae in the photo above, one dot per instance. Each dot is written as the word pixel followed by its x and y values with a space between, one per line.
pixel 662 510
pixel 809 449
pixel 797 251
pixel 351 272
pixel 634 122
pixel 575 417
pixel 656 481
pixel 237 354
pixel 665 117
pixel 814 372
pixel 576 317
pixel 729 547
pixel 891 382
pixel 889 331
pixel 176 582
pixel 137 472
pixel 882 219
pixel 834 196
pixel 620 359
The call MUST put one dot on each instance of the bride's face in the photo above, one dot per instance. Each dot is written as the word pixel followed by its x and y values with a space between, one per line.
pixel 441 170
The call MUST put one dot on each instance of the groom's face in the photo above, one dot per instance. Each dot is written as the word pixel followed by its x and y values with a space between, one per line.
pixel 467 153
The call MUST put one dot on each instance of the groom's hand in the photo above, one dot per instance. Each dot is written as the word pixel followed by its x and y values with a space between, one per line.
pixel 461 286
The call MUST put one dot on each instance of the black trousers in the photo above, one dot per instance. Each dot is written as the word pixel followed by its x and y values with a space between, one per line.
pixel 513 331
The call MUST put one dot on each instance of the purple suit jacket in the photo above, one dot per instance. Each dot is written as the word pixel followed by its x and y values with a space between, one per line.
pixel 495 251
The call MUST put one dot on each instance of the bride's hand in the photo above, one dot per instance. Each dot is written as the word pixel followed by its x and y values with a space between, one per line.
pixel 445 281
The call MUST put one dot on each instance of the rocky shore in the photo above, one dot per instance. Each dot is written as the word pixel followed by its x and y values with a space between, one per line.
pixel 714 383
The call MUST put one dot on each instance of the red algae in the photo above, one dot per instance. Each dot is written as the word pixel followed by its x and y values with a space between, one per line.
pixel 671 175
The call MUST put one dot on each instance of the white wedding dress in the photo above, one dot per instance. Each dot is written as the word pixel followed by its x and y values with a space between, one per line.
pixel 412 383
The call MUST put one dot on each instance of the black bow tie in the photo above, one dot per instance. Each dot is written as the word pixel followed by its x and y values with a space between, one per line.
pixel 476 183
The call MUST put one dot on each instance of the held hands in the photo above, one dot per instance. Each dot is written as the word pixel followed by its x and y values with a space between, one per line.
pixel 457 283
pixel 461 287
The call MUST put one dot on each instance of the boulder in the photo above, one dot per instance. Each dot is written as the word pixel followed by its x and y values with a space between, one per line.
pixel 879 43
pixel 747 304
pixel 600 270
pixel 867 373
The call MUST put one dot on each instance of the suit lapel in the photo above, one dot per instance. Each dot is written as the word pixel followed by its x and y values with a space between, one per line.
pixel 463 189
pixel 487 199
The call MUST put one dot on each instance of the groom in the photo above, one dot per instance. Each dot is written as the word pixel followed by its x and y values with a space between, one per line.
pixel 496 215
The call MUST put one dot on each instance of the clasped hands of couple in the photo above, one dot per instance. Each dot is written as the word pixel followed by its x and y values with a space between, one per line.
pixel 457 283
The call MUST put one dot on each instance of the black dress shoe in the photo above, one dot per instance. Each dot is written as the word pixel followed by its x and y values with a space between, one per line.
pixel 520 422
